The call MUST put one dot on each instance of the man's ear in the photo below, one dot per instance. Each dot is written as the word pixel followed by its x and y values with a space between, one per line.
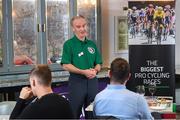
pixel 109 73
pixel 129 76
pixel 33 82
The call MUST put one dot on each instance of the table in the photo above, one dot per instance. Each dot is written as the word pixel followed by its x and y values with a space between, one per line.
pixel 160 103
pixel 164 106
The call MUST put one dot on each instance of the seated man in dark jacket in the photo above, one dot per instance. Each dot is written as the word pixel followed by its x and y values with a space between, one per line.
pixel 48 105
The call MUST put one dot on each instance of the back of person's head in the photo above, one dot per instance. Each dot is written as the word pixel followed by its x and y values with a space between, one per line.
pixel 134 8
pixel 77 17
pixel 168 7
pixel 120 70
pixel 43 74
pixel 151 6
pixel 160 9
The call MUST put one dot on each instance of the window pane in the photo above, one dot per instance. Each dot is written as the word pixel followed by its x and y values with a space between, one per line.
pixel 24 32
pixel 87 8
pixel 57 25
pixel 1 52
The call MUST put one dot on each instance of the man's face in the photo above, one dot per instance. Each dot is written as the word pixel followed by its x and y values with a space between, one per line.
pixel 80 28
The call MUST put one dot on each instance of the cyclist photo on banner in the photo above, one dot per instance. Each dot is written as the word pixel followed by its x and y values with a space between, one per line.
pixel 151 23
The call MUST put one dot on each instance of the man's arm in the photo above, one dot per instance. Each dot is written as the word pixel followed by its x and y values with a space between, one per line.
pixel 71 68
pixel 144 109
pixel 25 94
pixel 19 107
pixel 97 68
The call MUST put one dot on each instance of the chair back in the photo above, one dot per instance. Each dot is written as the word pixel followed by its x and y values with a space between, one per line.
pixel 107 117
pixel 6 107
pixel 156 115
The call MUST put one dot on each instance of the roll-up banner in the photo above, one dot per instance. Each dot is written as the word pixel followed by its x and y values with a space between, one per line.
pixel 151 35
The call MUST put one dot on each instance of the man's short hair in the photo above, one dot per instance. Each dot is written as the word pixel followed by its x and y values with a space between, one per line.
pixel 43 73
pixel 120 70
pixel 76 17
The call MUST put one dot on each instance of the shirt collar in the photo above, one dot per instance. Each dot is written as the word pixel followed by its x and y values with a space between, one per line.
pixel 110 86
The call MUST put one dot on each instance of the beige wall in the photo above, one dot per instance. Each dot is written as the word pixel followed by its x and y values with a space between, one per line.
pixel 110 9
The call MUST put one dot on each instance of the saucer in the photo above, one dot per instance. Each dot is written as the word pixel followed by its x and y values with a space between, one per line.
pixel 158 107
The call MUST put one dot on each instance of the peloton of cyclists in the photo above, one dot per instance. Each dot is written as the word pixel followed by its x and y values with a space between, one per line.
pixel 151 17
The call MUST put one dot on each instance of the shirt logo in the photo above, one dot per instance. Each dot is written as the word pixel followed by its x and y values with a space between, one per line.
pixel 91 50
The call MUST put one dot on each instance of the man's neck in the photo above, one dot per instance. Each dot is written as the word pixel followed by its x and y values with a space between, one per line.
pixel 117 83
pixel 44 91
pixel 81 38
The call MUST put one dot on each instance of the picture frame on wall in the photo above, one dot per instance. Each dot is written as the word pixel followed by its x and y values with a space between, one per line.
pixel 121 34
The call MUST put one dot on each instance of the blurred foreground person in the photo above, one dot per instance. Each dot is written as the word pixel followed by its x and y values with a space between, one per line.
pixel 47 104
pixel 117 101
pixel 21 58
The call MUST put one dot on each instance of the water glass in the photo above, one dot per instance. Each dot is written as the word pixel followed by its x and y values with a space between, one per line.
pixel 152 89
pixel 140 89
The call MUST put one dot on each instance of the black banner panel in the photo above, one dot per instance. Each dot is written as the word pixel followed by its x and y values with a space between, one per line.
pixel 153 64
pixel 151 40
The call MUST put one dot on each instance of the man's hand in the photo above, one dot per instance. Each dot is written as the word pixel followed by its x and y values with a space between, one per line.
pixel 90 73
pixel 26 93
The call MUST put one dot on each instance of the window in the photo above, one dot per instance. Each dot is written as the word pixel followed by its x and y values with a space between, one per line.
pixel 24 19
pixel 88 8
pixel 57 15
pixel 34 31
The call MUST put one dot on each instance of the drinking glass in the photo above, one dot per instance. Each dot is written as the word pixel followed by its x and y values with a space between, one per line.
pixel 152 89
pixel 140 89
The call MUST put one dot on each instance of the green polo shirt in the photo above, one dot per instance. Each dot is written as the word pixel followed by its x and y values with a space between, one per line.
pixel 82 54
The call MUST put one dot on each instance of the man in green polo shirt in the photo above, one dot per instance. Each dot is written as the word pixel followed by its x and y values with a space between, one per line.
pixel 83 60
